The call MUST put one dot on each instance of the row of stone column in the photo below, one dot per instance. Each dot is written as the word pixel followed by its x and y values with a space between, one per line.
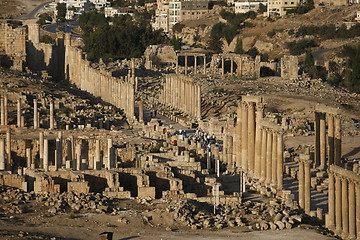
pixel 246 132
pixel 182 93
pixel 344 203
pixel 75 156
pixel 20 117
pixel 118 91
pixel 5 152
pixel 269 162
pixel 186 62
pixel 327 148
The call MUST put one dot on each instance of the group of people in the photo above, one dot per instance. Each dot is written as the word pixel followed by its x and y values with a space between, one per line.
pixel 200 136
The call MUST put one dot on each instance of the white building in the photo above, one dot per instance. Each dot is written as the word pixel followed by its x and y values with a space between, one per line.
pixel 357 16
pixel 279 7
pixel 243 7
pixel 99 4
pixel 112 12
pixel 162 17
pixel 170 13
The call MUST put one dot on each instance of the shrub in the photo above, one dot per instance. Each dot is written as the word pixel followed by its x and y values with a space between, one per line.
pixel 178 27
pixel 299 47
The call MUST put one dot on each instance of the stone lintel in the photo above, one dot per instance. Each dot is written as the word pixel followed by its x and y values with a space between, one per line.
pixel 326 109
pixel 345 173
pixel 254 99
pixel 265 123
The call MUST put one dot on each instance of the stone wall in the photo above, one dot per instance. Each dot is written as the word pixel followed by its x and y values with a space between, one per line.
pixel 42 57
pixel 12 43
pixel 64 61
pixel 239 64
pixel 118 91
pixel 289 67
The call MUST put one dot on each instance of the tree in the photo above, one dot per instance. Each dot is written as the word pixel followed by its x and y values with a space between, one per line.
pixel 141 3
pixel 238 47
pixel 175 42
pixel 309 61
pixel 127 37
pixel 61 12
pixel 44 18
pixel 215 44
pixel 262 8
pixel 253 52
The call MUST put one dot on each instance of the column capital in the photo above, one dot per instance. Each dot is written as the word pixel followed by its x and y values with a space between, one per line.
pixel 251 105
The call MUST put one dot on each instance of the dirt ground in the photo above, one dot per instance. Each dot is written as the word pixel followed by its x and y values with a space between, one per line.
pixel 162 226
pixel 15 8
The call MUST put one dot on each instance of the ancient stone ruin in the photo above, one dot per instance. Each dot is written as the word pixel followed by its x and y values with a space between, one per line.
pixel 98 138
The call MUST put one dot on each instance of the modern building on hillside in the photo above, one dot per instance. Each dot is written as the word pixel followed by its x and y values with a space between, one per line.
pixel 112 12
pixel 170 13
pixel 247 6
pixel 279 7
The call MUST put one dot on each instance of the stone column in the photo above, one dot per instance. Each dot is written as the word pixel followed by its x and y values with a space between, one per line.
pixel 225 148
pixel 186 64
pixel 237 146
pixel 222 66
pixel 58 155
pixel 301 184
pixel 78 156
pixel 338 206
pixel 41 149
pixel 51 115
pixel 231 66
pixel 322 141
pixel 263 155
pixel 36 121
pixel 251 136
pixel 110 161
pixel 307 186
pixel 216 152
pixel 46 154
pixel 317 139
pixel 268 156
pixel 345 208
pixel 195 63
pixel 2 154
pixel 280 160
pixel 257 163
pixel 6 110
pixel 8 149
pixel 258 139
pixel 28 157
pixel 244 137
pixel 141 111
pixel 204 64
pixel 2 111
pixel 18 113
pixel 230 151
pixel 352 211
pixel 357 192
pixel 337 148
pixel 331 201
pixel 330 139
pixel 97 159
pixel 274 159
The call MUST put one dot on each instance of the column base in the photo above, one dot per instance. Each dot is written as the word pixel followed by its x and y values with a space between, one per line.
pixel 352 237
pixel 338 231
pixel 344 235
pixel 321 167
